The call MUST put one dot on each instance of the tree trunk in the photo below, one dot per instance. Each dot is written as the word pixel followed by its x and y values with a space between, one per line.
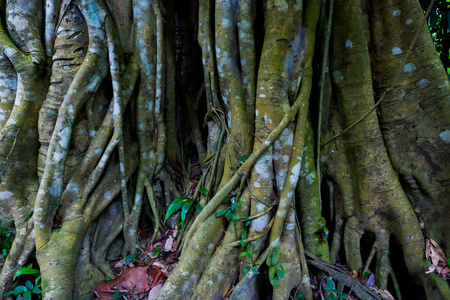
pixel 323 122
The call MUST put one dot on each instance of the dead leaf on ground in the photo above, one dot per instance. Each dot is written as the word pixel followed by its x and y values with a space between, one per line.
pixel 154 292
pixel 131 279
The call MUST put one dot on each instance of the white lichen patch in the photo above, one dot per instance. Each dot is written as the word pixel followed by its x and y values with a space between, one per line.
pixel 348 44
pixel 260 223
pixel 409 67
pixel 107 195
pixel 226 23
pixel 337 77
pixel 396 51
pixel 295 173
pixel 310 178
pixel 408 21
pixel 73 188
pixel 263 166
pixel 260 207
pixel 445 136
pixel 5 195
pixel 98 151
pixel 262 95
pixel 267 143
pixel 281 5
pixel 396 12
pixel 290 194
pixel 275 242
pixel 281 177
pixel 422 83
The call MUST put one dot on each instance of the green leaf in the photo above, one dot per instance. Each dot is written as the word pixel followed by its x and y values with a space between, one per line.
pixel 448 261
pixel 280 274
pixel 27 295
pixel 226 200
pixel 332 297
pixel 243 234
pixel 327 289
pixel 36 290
pixel 330 283
pixel 221 213
pixel 19 297
pixel 242 242
pixel 24 271
pixel 275 256
pixel 365 275
pixel 282 269
pixel 234 219
pixel 234 205
pixel 229 214
pixel 128 259
pixel 39 278
pixel 246 269
pixel 275 282
pixel 300 295
pixel 176 204
pixel 248 223
pixel 271 272
pixel 185 209
pixel 135 257
pixel 243 159
pixel 198 207
pixel 117 294
pixel 343 296
pixel 244 253
pixel 203 191
pixel 29 285
pixel 30 215
pixel 255 271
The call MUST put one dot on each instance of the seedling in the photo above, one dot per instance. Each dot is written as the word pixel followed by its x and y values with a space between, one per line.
pixel 334 294
pixel 275 274
pixel 24 292
pixel 184 203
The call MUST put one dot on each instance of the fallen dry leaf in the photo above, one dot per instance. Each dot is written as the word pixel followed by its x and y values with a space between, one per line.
pixel 169 243
pixel 130 279
pixel 154 292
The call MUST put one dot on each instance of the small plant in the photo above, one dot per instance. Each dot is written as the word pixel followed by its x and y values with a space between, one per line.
pixel 184 203
pixel 249 254
pixel 333 293
pixel 132 258
pixel 244 232
pixel 323 231
pixel 5 239
pixel 229 212
pixel 24 292
pixel 275 274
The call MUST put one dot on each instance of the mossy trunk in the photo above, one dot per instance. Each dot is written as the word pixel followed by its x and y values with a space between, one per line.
pixel 322 122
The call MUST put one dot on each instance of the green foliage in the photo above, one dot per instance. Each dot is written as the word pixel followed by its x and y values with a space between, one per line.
pixel 323 231
pixel 5 239
pixel 275 274
pixel 439 24
pixel 229 212
pixel 26 290
pixel 249 253
pixel 133 258
pixel 333 293
pixel 117 295
pixel 184 203
pixel 242 160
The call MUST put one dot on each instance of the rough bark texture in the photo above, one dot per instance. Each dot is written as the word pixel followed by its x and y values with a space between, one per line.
pixel 323 122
